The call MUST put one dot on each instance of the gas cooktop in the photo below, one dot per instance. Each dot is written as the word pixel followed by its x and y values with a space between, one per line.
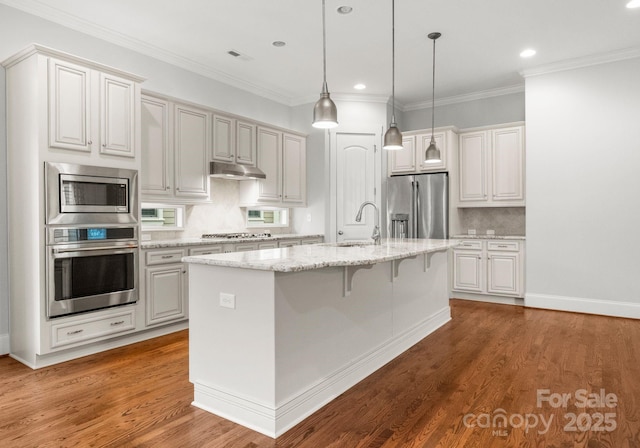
pixel 236 236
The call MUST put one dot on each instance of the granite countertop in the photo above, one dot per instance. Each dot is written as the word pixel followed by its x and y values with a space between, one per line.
pixel 488 237
pixel 181 242
pixel 316 256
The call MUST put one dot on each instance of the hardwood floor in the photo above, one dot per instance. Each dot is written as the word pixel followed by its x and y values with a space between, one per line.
pixel 482 368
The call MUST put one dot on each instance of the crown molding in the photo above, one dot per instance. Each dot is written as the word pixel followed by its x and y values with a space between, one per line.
pixel 582 62
pixel 46 12
pixel 482 94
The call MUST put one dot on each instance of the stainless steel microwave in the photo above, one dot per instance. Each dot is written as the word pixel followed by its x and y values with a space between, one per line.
pixel 81 194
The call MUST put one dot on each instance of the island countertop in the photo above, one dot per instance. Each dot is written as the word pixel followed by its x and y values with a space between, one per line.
pixel 302 258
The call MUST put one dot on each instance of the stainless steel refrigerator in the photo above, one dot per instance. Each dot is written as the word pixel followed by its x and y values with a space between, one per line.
pixel 418 206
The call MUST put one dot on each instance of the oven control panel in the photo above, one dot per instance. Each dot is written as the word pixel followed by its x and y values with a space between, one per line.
pixel 89 234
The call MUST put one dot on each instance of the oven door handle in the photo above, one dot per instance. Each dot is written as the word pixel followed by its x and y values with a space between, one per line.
pixel 57 250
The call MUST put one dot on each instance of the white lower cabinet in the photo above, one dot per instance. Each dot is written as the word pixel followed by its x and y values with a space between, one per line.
pixel 489 267
pixel 165 286
pixel 89 329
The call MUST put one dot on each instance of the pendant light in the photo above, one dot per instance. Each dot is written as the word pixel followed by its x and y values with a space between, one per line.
pixel 325 114
pixel 432 155
pixel 393 136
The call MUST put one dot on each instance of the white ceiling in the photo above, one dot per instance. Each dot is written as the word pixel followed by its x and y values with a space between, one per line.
pixel 478 51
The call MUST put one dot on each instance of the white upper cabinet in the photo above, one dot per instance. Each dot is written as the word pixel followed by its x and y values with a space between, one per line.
pixel 191 146
pixel 69 106
pixel 282 157
pixel 90 109
pixel 234 141
pixel 175 151
pixel 294 168
pixel 410 159
pixel 403 160
pixel 491 164
pixel 156 172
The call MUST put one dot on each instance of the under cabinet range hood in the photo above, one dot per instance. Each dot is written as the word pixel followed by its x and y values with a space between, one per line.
pixel 235 171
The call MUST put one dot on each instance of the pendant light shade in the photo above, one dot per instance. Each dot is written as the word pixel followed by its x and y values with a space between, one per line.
pixel 432 154
pixel 393 136
pixel 325 113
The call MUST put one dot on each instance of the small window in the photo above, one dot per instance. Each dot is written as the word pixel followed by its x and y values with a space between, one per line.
pixel 162 217
pixel 267 217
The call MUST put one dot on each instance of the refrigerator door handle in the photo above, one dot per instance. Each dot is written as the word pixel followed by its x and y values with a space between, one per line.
pixel 418 214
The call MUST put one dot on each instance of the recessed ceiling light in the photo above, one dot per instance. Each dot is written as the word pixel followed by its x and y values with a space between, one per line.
pixel 345 9
pixel 528 53
pixel 359 86
pixel 633 4
pixel 278 43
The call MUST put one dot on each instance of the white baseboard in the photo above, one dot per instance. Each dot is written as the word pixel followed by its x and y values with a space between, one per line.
pixel 581 305
pixel 4 344
pixel 487 298
pixel 274 422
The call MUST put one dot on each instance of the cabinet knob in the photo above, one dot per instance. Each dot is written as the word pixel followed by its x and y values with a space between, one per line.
pixel 168 188
pixel 104 145
pixel 177 189
pixel 340 232
pixel 90 142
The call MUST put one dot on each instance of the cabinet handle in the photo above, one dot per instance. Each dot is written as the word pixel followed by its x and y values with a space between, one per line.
pixel 164 257
pixel 502 245
pixel 69 333
pixel 120 322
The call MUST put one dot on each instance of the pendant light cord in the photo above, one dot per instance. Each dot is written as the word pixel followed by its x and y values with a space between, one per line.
pixel 393 61
pixel 324 51
pixel 433 91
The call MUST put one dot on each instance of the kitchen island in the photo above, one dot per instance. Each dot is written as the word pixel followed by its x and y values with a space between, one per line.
pixel 276 334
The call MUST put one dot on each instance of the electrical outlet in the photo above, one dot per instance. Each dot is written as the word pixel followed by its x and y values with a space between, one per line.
pixel 228 300
pixel 308 217
pixel 471 232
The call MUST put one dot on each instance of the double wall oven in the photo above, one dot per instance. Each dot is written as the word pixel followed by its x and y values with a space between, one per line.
pixel 91 238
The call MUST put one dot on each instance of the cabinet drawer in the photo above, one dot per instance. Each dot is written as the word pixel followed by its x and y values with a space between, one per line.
pixel 164 256
pixel 312 241
pixel 245 247
pixel 89 329
pixel 269 245
pixel 470 244
pixel 504 245
pixel 205 250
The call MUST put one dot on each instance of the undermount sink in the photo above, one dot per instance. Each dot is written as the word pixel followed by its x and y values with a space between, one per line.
pixel 353 244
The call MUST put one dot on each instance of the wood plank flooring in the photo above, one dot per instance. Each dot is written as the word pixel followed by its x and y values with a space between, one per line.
pixel 484 369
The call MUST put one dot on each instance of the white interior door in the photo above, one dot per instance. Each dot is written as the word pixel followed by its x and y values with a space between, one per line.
pixel 355 183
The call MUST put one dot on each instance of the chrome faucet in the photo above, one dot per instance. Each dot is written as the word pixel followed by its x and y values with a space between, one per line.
pixel 376 228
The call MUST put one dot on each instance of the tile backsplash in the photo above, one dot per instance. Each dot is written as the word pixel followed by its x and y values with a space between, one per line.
pixel 222 215
pixel 504 220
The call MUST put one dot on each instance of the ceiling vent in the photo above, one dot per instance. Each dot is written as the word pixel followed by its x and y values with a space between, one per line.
pixel 238 55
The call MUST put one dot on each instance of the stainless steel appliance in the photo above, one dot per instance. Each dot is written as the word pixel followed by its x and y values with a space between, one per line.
pixel 418 206
pixel 81 194
pixel 237 236
pixel 90 268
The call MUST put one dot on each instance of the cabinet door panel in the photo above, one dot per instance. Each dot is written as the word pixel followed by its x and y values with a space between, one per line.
pixel 245 143
pixel 117 99
pixel 508 164
pixel 69 106
pixel 293 169
pixel 441 144
pixel 473 167
pixel 165 293
pixel 269 152
pixel 467 271
pixel 154 172
pixel 223 139
pixel 403 160
pixel 191 146
pixel 503 274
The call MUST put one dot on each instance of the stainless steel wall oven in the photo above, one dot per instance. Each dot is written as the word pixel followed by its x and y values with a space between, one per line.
pixel 92 219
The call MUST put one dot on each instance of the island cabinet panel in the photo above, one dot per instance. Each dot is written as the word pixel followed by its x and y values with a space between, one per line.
pixel 269 348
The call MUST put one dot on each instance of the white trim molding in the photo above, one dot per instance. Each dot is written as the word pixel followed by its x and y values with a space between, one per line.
pixel 482 94
pixel 628 310
pixel 586 61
